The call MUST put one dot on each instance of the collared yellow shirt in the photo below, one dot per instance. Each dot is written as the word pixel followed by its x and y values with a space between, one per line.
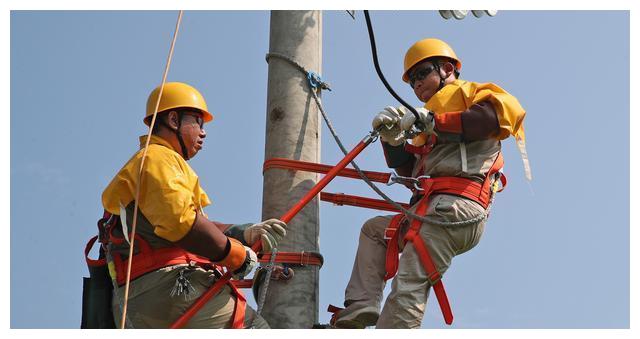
pixel 170 193
pixel 460 95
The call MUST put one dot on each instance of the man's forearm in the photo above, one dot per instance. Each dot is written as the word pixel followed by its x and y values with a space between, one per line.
pixel 205 239
pixel 222 227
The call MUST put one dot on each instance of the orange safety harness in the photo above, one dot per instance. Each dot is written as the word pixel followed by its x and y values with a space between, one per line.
pixel 467 188
pixel 480 193
pixel 149 259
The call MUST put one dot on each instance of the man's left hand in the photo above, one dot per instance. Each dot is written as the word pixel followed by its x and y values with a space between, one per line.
pixel 269 231
pixel 426 118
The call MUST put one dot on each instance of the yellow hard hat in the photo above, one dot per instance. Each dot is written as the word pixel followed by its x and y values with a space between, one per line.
pixel 176 95
pixel 427 48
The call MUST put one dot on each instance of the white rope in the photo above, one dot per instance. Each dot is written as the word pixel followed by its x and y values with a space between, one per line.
pixel 138 184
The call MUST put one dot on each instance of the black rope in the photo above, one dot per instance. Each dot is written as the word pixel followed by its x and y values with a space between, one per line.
pixel 374 53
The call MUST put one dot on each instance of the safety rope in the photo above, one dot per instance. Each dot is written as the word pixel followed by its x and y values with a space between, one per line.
pixel 362 175
pixel 138 184
pixel 263 290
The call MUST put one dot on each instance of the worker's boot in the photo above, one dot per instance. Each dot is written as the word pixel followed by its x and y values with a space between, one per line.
pixel 356 316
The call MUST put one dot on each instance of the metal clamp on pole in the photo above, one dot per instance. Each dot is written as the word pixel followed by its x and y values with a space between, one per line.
pixel 315 81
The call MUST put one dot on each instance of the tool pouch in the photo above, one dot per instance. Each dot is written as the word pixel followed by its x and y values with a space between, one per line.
pixel 97 291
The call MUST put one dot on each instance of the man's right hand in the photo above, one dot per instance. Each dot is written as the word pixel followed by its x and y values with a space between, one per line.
pixel 389 119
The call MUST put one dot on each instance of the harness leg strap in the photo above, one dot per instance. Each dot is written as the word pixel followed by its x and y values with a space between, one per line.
pixel 425 258
pixel 391 260
pixel 239 310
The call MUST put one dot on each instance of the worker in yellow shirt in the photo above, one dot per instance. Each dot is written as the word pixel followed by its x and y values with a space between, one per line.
pixel 178 251
pixel 455 162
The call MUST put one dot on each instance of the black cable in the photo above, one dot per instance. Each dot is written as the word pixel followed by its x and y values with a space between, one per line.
pixel 374 52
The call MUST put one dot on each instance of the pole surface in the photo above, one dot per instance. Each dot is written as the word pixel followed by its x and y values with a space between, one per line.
pixel 293 132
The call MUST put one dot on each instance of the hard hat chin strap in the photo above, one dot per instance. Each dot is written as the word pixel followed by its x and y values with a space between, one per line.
pixel 183 147
pixel 185 154
pixel 436 66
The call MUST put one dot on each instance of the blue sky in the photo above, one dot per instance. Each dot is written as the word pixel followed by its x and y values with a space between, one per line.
pixel 555 253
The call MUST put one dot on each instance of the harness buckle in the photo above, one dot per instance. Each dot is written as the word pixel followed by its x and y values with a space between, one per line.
pixel 408 181
pixel 389 233
pixel 434 277
pixel 302 258
pixel 105 225
pixel 420 181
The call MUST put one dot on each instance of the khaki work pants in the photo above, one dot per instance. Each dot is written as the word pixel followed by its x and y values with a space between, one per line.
pixel 405 305
pixel 151 305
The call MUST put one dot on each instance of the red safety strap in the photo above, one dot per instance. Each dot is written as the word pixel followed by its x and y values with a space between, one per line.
pixel 93 262
pixel 320 168
pixel 391 234
pixel 240 308
pixel 149 259
pixel 244 283
pixel 424 149
pixel 425 258
pixel 295 258
pixel 353 200
pixel 338 198
pixel 335 310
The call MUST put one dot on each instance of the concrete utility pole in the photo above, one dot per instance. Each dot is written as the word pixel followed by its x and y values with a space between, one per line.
pixel 293 132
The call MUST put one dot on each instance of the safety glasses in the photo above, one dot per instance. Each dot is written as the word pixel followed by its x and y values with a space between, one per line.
pixel 197 116
pixel 420 74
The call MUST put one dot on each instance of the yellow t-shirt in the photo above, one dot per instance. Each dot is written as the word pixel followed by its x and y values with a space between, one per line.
pixel 170 194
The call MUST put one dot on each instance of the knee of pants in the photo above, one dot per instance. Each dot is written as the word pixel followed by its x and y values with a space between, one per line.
pixel 374 227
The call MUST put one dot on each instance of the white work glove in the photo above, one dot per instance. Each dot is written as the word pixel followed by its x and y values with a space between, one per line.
pixel 269 231
pixel 390 132
pixel 426 117
pixel 250 263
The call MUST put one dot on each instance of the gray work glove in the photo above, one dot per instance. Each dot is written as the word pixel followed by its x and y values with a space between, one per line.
pixel 389 119
pixel 250 263
pixel 270 231
pixel 408 119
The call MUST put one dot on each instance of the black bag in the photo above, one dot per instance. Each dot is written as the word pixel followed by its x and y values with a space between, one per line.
pixel 97 292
